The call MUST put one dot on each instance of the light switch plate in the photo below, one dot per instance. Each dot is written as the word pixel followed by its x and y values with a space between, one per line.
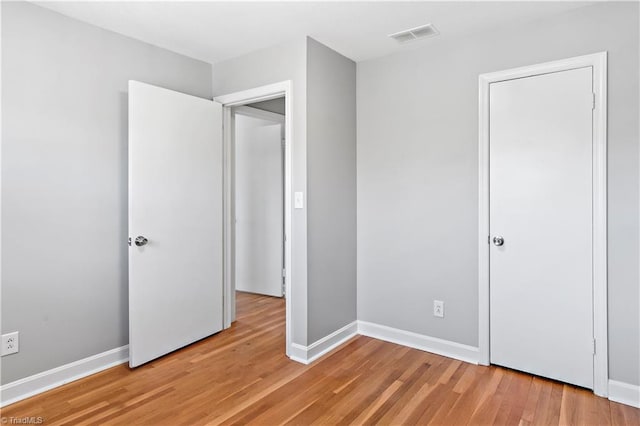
pixel 298 201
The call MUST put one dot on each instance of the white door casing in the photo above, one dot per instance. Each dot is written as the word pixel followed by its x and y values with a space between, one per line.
pixel 534 177
pixel 175 201
pixel 229 101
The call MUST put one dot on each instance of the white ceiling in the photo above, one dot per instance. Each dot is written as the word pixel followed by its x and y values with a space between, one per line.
pixel 215 31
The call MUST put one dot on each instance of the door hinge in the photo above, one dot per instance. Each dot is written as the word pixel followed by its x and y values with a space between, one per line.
pixel 593 105
pixel 594 346
pixel 284 272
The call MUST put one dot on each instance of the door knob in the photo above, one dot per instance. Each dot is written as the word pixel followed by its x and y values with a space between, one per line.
pixel 141 241
pixel 498 241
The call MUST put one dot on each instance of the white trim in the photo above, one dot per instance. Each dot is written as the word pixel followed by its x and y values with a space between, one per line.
pixel 624 393
pixel 42 382
pixel 308 354
pixel 260 114
pixel 228 231
pixel 298 353
pixel 257 94
pixel 600 255
pixel 599 63
pixel 419 341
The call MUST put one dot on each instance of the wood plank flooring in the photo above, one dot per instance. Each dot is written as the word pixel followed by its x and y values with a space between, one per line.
pixel 241 376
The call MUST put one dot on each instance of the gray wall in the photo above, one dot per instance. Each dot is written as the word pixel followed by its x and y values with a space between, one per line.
pixel 267 66
pixel 64 181
pixel 331 181
pixel 417 173
pixel 324 281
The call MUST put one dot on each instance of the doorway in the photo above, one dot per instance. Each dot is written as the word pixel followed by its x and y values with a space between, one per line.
pixel 254 96
pixel 542 240
pixel 258 197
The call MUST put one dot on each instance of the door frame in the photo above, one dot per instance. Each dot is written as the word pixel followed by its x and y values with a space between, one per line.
pixel 262 93
pixel 598 61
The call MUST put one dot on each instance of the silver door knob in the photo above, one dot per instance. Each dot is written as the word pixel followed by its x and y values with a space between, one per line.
pixel 498 241
pixel 141 241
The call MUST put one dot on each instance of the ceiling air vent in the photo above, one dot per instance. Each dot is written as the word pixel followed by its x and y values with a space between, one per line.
pixel 416 33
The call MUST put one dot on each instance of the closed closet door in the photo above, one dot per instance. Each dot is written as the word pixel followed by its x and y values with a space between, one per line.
pixel 541 306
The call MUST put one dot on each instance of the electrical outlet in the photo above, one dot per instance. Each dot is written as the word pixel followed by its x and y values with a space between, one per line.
pixel 438 308
pixel 10 343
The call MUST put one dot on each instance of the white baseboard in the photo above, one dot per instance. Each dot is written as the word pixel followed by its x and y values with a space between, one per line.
pixel 298 353
pixel 624 393
pixel 308 354
pixel 41 382
pixel 419 341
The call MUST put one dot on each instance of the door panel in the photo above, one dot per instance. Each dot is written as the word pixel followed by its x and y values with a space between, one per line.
pixel 175 201
pixel 541 317
pixel 259 205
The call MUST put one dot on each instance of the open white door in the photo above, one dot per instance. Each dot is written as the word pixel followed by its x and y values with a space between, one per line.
pixel 175 220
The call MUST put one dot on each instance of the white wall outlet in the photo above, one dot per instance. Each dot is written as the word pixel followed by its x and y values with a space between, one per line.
pixel 438 308
pixel 298 200
pixel 10 343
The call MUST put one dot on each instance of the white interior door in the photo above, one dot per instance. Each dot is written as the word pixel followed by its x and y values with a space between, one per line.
pixel 541 307
pixel 259 206
pixel 175 202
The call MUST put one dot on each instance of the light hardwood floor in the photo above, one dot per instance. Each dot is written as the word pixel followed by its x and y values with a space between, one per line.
pixel 242 376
